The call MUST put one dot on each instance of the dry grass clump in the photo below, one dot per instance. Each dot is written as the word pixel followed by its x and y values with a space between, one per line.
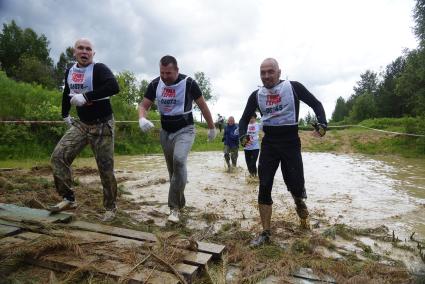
pixel 14 255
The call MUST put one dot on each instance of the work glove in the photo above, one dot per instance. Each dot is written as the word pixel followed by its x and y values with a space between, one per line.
pixel 245 140
pixel 78 99
pixel 145 124
pixel 68 120
pixel 211 134
pixel 320 128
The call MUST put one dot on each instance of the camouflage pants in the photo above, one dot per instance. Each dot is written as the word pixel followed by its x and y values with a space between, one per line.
pixel 231 153
pixel 101 139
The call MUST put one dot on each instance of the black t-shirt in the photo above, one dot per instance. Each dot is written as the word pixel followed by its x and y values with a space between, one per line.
pixel 177 122
pixel 104 85
pixel 286 132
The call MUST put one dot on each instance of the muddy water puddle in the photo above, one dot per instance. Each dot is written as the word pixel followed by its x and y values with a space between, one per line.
pixel 352 189
pixel 356 190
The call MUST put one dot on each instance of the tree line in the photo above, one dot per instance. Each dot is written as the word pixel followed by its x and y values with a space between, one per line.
pixel 25 57
pixel 397 91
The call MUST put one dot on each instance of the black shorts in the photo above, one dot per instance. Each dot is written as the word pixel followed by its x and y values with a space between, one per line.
pixel 288 155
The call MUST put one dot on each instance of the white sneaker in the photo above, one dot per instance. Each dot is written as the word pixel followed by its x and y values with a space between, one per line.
pixel 109 215
pixel 174 216
pixel 63 205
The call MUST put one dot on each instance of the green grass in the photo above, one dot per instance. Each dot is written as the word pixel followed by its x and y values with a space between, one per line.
pixel 29 145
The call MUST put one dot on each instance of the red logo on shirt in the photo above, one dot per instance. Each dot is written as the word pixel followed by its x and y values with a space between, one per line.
pixel 273 100
pixel 169 93
pixel 251 128
pixel 78 77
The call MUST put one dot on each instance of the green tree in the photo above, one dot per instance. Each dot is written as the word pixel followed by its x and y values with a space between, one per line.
pixel 129 90
pixel 19 48
pixel 15 42
pixel 29 69
pixel 388 103
pixel 340 111
pixel 205 86
pixel 368 84
pixel 310 119
pixel 410 85
pixel 363 108
pixel 66 59
pixel 419 17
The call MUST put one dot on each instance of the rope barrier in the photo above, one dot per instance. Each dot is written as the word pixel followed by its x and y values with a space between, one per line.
pixel 136 121
pixel 380 130
pixel 57 121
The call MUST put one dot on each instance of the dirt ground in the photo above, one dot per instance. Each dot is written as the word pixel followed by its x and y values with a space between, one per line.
pixel 221 208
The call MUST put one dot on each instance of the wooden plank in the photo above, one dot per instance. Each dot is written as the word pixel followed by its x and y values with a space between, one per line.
pixel 10 241
pixel 190 257
pixel 214 249
pixel 107 267
pixel 189 272
pixel 114 231
pixel 58 261
pixel 9 230
pixel 18 213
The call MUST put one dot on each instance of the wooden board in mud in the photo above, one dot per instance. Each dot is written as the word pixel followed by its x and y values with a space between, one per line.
pixel 189 268
pixel 18 213
pixel 6 230
pixel 214 249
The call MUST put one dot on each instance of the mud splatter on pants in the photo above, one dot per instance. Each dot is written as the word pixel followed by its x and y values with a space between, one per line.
pixel 176 147
pixel 100 136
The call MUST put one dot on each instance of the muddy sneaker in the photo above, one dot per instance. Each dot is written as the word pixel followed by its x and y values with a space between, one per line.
pixel 109 215
pixel 305 224
pixel 63 205
pixel 174 216
pixel 262 239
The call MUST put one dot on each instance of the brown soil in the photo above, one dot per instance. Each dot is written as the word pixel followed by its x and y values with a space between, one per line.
pixel 291 248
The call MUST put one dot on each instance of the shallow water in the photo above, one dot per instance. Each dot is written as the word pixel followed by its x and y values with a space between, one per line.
pixel 353 189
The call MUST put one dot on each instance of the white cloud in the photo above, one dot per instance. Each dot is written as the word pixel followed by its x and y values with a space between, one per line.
pixel 325 45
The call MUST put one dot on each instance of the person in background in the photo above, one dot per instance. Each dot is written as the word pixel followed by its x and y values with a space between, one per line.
pixel 231 142
pixel 252 148
pixel 220 122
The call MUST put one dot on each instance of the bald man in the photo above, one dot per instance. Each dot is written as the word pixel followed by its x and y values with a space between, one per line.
pixel 278 102
pixel 88 86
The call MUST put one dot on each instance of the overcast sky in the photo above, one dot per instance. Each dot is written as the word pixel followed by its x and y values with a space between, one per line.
pixel 325 44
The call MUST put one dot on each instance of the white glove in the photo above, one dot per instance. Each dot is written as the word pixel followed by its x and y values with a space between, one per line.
pixel 211 134
pixel 68 120
pixel 145 124
pixel 78 99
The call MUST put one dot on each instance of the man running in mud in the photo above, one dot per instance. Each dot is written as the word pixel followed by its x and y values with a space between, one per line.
pixel 278 103
pixel 231 143
pixel 175 94
pixel 88 86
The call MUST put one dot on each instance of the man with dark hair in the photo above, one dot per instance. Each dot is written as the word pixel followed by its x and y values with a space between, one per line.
pixel 175 93
pixel 278 102
pixel 88 86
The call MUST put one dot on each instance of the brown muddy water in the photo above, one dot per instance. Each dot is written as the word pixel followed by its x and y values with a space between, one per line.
pixel 356 190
